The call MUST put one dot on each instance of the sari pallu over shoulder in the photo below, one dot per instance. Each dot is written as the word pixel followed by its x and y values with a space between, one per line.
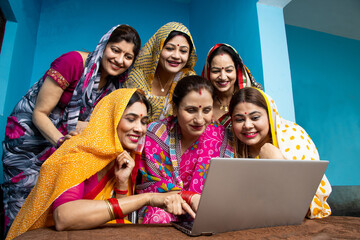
pixel 75 161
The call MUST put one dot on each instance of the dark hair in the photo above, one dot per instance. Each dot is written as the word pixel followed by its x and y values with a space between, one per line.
pixel 234 56
pixel 139 96
pixel 248 95
pixel 177 33
pixel 129 34
pixel 188 84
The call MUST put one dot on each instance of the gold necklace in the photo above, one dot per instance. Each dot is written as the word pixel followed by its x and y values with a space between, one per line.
pixel 225 107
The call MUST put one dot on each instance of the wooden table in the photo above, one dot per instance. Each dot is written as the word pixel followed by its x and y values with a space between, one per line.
pixel 333 227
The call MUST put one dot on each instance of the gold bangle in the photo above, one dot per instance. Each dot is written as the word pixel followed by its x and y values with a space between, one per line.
pixel 110 209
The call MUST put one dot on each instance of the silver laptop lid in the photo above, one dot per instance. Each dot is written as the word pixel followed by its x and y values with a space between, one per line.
pixel 252 193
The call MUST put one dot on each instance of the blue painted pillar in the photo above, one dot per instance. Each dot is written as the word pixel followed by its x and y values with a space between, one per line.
pixel 275 58
pixel 5 61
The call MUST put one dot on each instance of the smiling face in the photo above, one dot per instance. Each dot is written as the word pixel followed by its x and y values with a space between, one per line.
pixel 251 125
pixel 174 54
pixel 194 114
pixel 117 58
pixel 223 73
pixel 132 125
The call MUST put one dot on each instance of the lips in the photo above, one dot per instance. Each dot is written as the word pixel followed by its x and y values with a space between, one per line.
pixel 173 63
pixel 222 83
pixel 134 138
pixel 196 127
pixel 250 134
pixel 115 66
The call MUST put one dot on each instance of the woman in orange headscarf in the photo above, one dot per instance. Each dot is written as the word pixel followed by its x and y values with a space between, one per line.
pixel 89 180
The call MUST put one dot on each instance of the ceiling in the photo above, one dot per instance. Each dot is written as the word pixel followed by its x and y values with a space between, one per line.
pixel 337 17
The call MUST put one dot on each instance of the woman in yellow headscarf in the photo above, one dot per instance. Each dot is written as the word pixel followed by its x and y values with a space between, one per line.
pixel 77 183
pixel 260 132
pixel 167 57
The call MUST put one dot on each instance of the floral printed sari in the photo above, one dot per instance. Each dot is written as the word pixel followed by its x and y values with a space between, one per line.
pixel 164 169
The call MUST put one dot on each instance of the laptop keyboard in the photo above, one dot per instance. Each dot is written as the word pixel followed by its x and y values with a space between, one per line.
pixel 185 227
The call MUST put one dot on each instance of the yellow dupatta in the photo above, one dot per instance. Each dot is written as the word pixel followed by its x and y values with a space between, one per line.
pixel 75 161
pixel 142 74
pixel 295 144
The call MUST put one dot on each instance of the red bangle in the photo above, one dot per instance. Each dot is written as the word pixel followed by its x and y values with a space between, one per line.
pixel 122 192
pixel 187 195
pixel 117 210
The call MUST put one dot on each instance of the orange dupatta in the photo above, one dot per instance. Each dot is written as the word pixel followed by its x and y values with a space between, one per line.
pixel 75 161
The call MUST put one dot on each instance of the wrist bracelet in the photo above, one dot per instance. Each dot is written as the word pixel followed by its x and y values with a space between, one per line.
pixel 122 192
pixel 187 195
pixel 116 207
pixel 110 209
pixel 58 144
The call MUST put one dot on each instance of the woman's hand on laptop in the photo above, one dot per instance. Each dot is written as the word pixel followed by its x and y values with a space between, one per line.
pixel 172 203
pixel 269 151
pixel 195 202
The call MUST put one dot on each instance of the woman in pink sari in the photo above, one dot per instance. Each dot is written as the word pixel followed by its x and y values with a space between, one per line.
pixel 178 149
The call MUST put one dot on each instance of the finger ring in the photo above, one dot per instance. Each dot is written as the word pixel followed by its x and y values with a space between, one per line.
pixel 127 161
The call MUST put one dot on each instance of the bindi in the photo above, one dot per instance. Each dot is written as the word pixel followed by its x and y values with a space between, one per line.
pixel 140 115
pixel 245 113
pixel 199 106
pixel 178 45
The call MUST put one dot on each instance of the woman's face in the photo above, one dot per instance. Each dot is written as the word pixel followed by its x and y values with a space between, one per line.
pixel 194 113
pixel 251 124
pixel 117 58
pixel 132 125
pixel 223 73
pixel 174 55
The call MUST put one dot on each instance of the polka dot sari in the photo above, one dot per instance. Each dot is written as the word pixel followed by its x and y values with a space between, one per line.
pixel 295 144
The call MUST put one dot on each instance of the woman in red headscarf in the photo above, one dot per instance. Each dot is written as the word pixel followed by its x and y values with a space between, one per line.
pixel 226 71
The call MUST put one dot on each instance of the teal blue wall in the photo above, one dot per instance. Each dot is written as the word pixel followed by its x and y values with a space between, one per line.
pixel 230 21
pixel 17 54
pixel 69 25
pixel 325 75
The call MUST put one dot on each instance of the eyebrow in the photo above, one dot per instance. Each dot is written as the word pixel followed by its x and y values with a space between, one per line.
pixel 252 113
pixel 122 50
pixel 194 106
pixel 136 115
pixel 175 45
pixel 230 66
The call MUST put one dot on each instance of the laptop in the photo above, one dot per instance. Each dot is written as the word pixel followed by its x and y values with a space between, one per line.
pixel 253 193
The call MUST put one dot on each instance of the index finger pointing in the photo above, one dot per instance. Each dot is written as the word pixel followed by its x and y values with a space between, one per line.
pixel 188 209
